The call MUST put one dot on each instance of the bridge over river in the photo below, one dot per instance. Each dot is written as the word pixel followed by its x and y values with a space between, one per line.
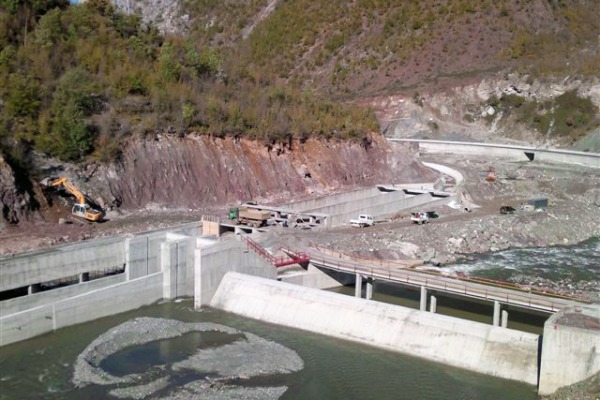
pixel 481 289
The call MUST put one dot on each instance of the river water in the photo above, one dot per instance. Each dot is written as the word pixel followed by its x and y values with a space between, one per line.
pixel 574 265
pixel 42 368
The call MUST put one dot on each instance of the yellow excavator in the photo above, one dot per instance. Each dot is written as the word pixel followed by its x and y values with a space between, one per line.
pixel 81 208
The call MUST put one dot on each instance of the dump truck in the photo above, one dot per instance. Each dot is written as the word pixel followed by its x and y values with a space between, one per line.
pixel 249 216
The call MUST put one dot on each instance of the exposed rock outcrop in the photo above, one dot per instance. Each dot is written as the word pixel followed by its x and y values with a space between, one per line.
pixel 200 171
pixel 14 203
pixel 461 111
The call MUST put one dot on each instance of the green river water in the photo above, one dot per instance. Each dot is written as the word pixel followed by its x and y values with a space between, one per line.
pixel 42 368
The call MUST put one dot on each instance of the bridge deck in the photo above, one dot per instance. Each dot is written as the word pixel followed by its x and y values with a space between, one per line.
pixel 531 300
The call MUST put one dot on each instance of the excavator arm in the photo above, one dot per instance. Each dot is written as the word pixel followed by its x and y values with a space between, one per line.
pixel 64 182
pixel 81 208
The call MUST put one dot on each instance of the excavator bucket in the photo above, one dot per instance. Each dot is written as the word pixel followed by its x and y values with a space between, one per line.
pixel 46 181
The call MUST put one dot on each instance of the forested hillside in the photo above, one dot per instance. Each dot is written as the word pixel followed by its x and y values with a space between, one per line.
pixel 78 81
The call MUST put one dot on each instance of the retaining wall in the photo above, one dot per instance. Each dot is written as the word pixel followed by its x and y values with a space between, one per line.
pixel 59 262
pixel 332 200
pixel 81 308
pixel 384 205
pixel 507 151
pixel 474 346
pixel 571 348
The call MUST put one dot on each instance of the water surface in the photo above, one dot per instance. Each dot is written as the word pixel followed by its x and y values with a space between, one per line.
pixel 41 368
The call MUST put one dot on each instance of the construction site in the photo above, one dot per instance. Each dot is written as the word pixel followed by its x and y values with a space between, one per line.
pixel 402 234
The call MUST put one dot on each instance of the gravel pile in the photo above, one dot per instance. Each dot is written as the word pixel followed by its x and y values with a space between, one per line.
pixel 211 372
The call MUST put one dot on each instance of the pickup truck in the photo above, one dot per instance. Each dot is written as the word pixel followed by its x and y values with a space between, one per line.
pixel 419 217
pixel 362 221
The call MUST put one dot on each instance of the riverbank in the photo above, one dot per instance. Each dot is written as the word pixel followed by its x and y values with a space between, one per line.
pixel 572 217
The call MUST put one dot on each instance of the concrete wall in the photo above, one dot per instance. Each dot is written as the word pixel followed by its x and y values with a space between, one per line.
pixel 571 348
pixel 60 262
pixel 474 346
pixel 332 200
pixel 81 308
pixel 213 262
pixel 159 264
pixel 381 206
pixel 342 208
pixel 507 151
pixel 34 300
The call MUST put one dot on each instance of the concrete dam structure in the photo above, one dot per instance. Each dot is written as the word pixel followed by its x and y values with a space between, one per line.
pixel 474 346
pixel 67 285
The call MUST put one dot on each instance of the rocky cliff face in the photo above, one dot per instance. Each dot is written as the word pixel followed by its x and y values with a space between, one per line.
pixel 14 202
pixel 201 171
pixel 461 110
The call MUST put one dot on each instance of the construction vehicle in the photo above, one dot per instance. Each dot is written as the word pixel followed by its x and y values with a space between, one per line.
pixel 81 208
pixel 507 210
pixel 362 221
pixel 419 217
pixel 249 216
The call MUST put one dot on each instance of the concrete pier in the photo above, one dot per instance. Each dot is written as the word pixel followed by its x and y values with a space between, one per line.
pixel 504 318
pixel 31 289
pixel 213 261
pixel 570 348
pixel 84 277
pixel 369 294
pixel 496 317
pixel 433 305
pixel 358 286
pixel 423 302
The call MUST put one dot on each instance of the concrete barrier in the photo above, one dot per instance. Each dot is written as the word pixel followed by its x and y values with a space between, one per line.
pixel 519 153
pixel 571 348
pixel 474 346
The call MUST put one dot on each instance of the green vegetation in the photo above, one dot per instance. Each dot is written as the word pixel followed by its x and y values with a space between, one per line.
pixel 77 80
pixel 568 116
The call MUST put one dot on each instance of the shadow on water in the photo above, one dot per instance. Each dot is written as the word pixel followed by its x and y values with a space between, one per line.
pixel 460 307
pixel 139 359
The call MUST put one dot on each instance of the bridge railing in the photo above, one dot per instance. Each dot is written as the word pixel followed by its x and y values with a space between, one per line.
pixel 384 264
pixel 532 300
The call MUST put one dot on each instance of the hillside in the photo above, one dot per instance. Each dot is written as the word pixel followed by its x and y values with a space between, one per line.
pixel 88 83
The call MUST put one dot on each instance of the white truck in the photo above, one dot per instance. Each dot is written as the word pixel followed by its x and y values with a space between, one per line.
pixel 362 221
pixel 419 217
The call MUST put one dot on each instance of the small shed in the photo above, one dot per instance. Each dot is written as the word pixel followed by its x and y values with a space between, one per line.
pixel 538 203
